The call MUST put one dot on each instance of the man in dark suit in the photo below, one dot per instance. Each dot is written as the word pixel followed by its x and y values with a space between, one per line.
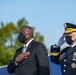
pixel 66 57
pixel 32 58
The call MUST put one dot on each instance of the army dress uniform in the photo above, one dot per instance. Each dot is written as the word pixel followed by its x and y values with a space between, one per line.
pixel 67 57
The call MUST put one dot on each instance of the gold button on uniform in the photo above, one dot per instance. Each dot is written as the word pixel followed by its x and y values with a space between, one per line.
pixel 64 59
pixel 64 65
pixel 64 70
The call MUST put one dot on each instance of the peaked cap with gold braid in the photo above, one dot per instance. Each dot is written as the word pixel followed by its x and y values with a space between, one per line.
pixel 69 27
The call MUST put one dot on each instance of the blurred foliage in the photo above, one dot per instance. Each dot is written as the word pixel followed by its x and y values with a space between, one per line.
pixel 9 41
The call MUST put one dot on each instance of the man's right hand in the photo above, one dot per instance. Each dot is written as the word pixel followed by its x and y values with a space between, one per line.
pixel 22 56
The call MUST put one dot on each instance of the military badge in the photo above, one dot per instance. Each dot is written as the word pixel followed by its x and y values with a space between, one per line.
pixel 74 56
pixel 73 65
pixel 65 25
pixel 62 56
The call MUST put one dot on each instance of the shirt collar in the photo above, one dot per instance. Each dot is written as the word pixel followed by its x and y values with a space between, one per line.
pixel 28 43
pixel 73 45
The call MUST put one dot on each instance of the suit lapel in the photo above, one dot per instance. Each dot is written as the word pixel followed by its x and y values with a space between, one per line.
pixel 20 51
pixel 29 46
pixel 28 49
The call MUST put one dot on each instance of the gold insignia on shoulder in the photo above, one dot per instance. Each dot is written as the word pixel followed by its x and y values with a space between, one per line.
pixel 73 65
pixel 65 26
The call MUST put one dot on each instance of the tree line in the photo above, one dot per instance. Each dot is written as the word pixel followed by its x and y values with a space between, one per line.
pixel 9 39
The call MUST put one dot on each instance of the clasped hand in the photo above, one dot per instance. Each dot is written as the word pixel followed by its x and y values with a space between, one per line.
pixel 22 56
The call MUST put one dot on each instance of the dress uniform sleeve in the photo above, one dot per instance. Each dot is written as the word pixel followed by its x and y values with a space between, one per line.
pixel 54 54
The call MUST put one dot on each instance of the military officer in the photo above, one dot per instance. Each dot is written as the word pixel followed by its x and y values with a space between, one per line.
pixel 66 57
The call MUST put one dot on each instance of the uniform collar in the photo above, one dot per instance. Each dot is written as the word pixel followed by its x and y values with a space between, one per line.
pixel 73 45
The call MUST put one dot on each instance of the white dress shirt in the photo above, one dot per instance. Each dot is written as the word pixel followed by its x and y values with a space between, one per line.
pixel 26 45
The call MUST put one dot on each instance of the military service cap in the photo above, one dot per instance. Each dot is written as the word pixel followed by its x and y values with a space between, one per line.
pixel 69 27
